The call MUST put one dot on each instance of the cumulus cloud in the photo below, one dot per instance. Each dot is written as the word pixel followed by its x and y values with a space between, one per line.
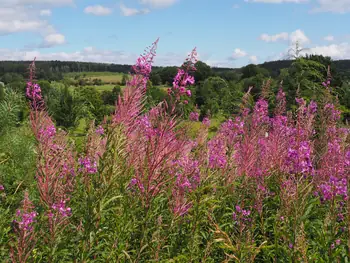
pixel 294 37
pixel 92 54
pixel 127 11
pixel 329 38
pixel 98 10
pixel 37 2
pixel 53 40
pixel 299 36
pixel 238 53
pixel 45 12
pixel 333 6
pixel 336 51
pixel 274 38
pixel 18 16
pixel 159 3
pixel 277 1
pixel 19 19
pixel 253 59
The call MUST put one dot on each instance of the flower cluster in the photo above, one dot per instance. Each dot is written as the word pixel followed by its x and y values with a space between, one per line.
pixel 230 130
pixel 25 220
pixel 100 130
pixel 88 165
pixel 183 79
pixel 194 116
pixel 312 107
pixel 206 122
pixel 47 133
pixel 143 67
pixel 33 91
pixel 241 216
pixel 333 188
pixel 62 209
pixel 326 83
pixel 187 173
pixel 332 113
pixel 281 102
pixel 217 153
pixel 299 158
pixel 260 114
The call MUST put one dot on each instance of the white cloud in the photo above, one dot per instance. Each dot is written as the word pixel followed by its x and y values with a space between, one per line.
pixel 238 53
pixel 98 10
pixel 18 16
pixel 294 37
pixel 92 54
pixel 15 26
pixel 235 6
pixel 336 51
pixel 253 59
pixel 45 12
pixel 333 6
pixel 277 1
pixel 54 40
pixel 299 36
pixel 274 38
pixel 127 11
pixel 159 3
pixel 37 2
pixel 329 38
pixel 20 19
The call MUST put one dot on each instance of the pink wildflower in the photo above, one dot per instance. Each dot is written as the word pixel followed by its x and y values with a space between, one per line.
pixel 194 116
pixel 206 122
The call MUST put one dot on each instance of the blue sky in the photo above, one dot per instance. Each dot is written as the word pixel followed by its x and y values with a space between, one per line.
pixel 227 33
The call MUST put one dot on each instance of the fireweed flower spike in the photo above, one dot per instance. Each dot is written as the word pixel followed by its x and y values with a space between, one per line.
pixel 183 79
pixel 55 159
pixel 130 105
pixel 25 232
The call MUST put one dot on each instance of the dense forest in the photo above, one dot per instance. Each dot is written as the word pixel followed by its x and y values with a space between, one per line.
pixel 71 94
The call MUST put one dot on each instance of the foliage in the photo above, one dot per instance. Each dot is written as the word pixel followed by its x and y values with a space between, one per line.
pixel 267 184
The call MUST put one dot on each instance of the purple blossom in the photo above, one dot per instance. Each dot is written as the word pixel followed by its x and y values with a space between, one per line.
pixel 240 215
pixel 100 130
pixel 333 188
pixel 260 114
pixel 312 107
pixel 300 101
pixel 33 91
pixel 25 220
pixel 2 188
pixel 299 158
pixel 194 116
pixel 48 132
pixel 62 209
pixel 88 166
pixel 332 113
pixel 217 153
pixel 206 121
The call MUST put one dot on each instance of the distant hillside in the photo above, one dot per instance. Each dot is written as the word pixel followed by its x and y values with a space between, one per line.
pixel 61 67
pixel 274 67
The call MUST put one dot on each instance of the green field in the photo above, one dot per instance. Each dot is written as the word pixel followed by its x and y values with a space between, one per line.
pixel 106 77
